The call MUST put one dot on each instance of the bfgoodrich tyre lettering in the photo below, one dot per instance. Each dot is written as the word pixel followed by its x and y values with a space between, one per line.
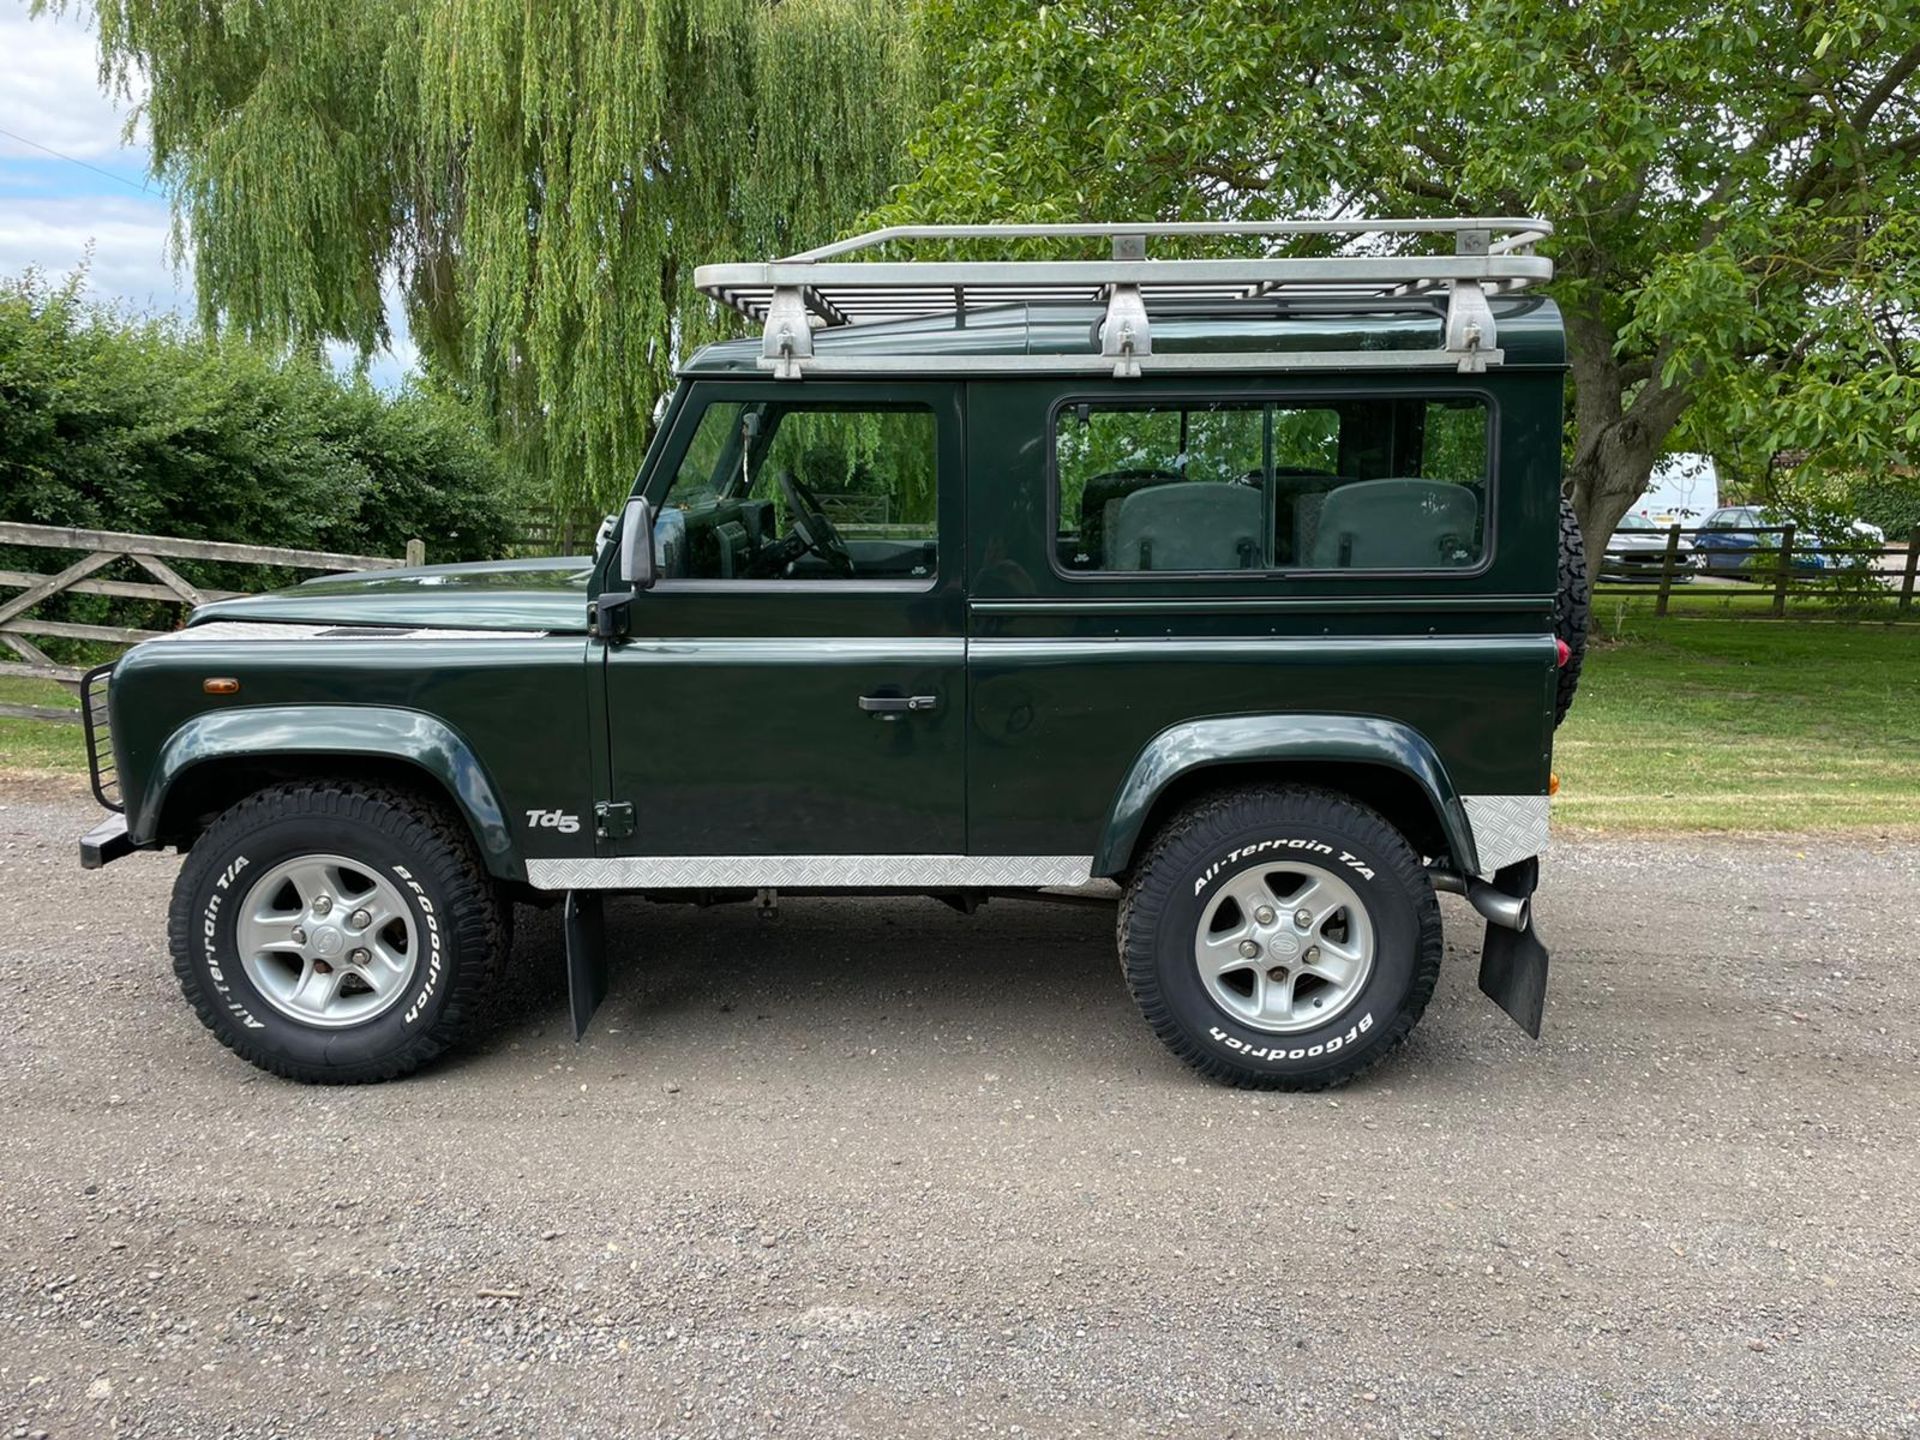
pixel 1259 911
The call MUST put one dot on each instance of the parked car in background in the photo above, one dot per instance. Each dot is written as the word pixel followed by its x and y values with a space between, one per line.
pixel 1741 540
pixel 1638 551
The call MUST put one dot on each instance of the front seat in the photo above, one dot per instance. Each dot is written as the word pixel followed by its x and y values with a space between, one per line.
pixel 1192 525
pixel 1397 525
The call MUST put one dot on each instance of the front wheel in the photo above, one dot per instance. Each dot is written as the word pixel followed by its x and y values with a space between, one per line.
pixel 335 934
pixel 1280 938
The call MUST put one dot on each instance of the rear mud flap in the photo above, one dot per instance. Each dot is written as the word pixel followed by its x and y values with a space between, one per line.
pixel 586 957
pixel 1513 963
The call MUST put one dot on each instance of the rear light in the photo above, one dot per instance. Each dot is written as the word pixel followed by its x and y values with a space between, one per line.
pixel 1564 653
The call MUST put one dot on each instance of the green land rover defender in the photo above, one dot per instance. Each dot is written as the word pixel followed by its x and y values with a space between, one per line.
pixel 1241 591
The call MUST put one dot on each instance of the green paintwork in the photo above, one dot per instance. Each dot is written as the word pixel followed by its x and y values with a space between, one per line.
pixel 1181 750
pixel 500 721
pixel 1066 702
pixel 548 594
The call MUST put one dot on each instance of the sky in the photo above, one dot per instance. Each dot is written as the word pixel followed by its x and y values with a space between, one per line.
pixel 96 189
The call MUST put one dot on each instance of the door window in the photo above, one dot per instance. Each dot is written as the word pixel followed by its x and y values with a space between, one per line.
pixel 776 491
pixel 1200 486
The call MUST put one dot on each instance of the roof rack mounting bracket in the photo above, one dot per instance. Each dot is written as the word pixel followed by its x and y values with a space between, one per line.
pixel 1471 333
pixel 1125 335
pixel 787 340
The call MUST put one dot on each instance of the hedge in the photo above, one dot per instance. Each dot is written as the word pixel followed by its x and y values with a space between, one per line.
pixel 143 424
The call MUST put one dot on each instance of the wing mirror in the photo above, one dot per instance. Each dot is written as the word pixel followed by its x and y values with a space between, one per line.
pixel 636 545
pixel 633 571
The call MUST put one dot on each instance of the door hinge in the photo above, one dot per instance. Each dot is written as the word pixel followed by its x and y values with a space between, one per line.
pixel 612 819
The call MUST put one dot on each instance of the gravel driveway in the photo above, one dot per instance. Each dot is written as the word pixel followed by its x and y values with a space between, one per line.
pixel 876 1168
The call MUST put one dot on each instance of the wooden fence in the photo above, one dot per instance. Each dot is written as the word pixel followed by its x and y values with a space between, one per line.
pixel 1777 566
pixel 541 533
pixel 150 553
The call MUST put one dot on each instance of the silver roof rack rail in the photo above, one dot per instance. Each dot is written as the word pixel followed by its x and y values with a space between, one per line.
pixel 825 290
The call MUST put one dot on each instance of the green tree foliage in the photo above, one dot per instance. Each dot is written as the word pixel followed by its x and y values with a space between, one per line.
pixel 114 424
pixel 1734 185
pixel 539 180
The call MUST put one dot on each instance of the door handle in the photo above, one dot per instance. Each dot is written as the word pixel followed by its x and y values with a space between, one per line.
pixel 890 707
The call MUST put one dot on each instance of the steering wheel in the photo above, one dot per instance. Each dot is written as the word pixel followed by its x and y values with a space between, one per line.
pixel 810 523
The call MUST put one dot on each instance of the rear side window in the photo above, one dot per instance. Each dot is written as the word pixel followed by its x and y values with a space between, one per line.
pixel 1204 487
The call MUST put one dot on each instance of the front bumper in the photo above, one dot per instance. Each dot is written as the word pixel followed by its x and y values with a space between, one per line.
pixel 105 843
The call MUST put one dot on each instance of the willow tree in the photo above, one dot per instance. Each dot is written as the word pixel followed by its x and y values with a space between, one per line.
pixel 1736 186
pixel 536 181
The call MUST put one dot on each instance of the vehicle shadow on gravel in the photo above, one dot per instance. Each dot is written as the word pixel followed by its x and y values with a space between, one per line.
pixel 901 974
pixel 823 970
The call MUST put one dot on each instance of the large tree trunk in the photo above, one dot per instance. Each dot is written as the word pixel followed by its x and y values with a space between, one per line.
pixel 1617 438
pixel 1609 472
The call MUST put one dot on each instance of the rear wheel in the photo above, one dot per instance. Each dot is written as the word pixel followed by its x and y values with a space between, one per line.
pixel 335 934
pixel 1280 938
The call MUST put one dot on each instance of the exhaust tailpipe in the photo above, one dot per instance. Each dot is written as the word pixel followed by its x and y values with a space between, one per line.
pixel 1509 912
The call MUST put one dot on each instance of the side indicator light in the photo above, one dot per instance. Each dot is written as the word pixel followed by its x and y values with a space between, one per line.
pixel 1553 783
pixel 1565 653
pixel 220 685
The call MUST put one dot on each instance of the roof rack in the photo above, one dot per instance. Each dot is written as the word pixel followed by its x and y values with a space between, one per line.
pixel 825 290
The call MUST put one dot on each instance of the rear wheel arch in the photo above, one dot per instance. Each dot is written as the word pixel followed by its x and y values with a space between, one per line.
pixel 1385 766
pixel 1396 796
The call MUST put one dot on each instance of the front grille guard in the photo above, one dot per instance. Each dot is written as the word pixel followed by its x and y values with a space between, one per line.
pixel 105 774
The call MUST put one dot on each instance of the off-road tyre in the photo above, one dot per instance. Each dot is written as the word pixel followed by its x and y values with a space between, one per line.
pixel 1215 839
pixel 1572 608
pixel 418 847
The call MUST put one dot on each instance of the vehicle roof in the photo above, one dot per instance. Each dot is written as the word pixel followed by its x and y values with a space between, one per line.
pixel 1529 327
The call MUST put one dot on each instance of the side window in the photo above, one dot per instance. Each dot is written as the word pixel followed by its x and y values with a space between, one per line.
pixel 775 491
pixel 1161 488
pixel 1198 486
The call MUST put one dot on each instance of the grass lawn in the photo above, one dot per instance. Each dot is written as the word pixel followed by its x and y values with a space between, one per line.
pixel 40 745
pixel 1681 724
pixel 1697 724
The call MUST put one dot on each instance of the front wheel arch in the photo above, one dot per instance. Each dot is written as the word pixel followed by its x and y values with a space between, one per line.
pixel 202 792
pixel 220 757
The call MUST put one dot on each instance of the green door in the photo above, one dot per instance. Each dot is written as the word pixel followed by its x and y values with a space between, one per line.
pixel 794 685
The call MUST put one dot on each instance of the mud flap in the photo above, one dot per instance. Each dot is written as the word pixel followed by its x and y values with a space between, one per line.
pixel 1513 963
pixel 586 957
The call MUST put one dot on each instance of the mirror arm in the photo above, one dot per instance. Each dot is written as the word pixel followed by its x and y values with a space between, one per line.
pixel 609 614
